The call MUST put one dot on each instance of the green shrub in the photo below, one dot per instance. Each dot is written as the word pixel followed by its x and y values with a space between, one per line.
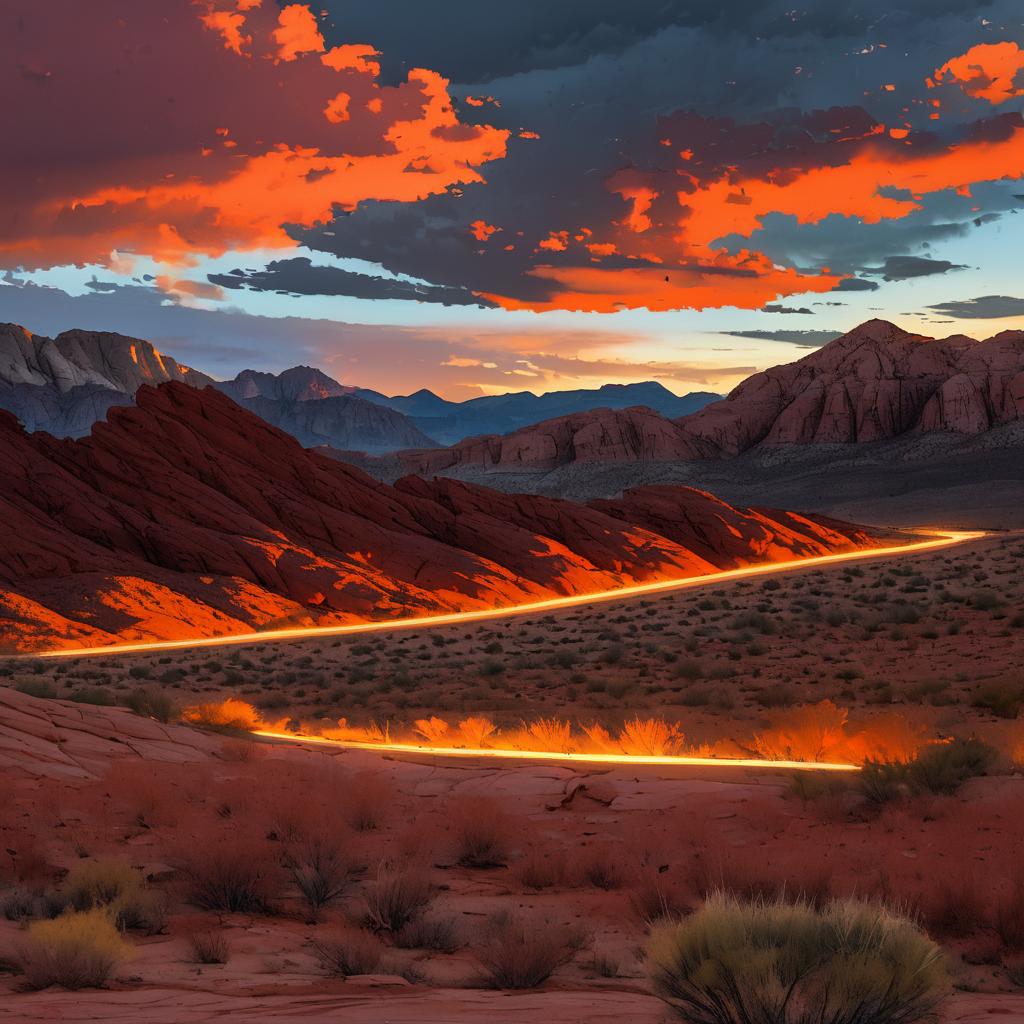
pixel 37 688
pixel 97 883
pixel 150 702
pixel 787 963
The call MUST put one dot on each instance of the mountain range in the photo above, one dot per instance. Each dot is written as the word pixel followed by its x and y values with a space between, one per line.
pixel 186 515
pixel 66 384
pixel 876 383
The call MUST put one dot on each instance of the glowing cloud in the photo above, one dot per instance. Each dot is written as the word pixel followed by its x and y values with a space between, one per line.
pixel 989 71
pixel 266 128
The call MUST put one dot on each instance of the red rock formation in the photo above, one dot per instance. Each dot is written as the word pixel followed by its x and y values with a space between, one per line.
pixel 875 383
pixel 601 435
pixel 187 516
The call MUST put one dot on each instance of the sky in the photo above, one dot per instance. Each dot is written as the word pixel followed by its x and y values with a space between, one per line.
pixel 479 198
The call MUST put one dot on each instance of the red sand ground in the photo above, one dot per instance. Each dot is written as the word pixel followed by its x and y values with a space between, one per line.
pixel 98 782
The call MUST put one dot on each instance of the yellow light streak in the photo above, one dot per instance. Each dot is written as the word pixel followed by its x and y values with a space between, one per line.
pixel 939 539
pixel 664 760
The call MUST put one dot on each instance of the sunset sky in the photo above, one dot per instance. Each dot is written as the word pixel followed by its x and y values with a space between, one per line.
pixel 481 197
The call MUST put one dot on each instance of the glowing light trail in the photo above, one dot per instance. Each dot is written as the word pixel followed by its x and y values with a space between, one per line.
pixel 544 755
pixel 939 540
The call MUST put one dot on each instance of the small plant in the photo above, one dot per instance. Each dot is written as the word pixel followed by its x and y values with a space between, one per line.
pixel 319 870
pixel 232 874
pixel 541 869
pixel 944 767
pixel 769 960
pixel 1009 915
pixel 551 734
pixel 881 782
pixel 150 702
pixel 351 951
pixel 481 831
pixel 367 801
pixel 520 953
pixel 228 716
pixel 814 732
pixel 395 898
pixel 436 933
pixel 650 737
pixel 98 883
pixel 209 947
pixel 76 950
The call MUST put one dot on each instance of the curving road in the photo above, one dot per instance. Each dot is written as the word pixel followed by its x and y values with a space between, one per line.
pixel 938 539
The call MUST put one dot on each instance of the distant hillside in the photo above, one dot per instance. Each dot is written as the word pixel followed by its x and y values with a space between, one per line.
pixel 188 516
pixel 451 422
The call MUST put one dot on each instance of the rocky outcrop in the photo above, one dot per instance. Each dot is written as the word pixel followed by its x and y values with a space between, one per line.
pixel 602 435
pixel 876 383
pixel 187 516
pixel 299 384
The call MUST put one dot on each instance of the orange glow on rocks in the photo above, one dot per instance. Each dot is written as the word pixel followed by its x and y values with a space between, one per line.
pixel 988 71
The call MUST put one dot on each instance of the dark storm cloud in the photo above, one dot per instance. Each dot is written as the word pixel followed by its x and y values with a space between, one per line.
pixel 804 339
pixel 984 307
pixel 902 268
pixel 592 77
pixel 855 284
pixel 772 308
pixel 298 276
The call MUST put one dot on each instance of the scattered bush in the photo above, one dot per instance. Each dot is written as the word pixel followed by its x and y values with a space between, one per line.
pixel 42 688
pixel 944 767
pixel 141 910
pixel 150 702
pixel 232 874
pixel 228 716
pixel 395 898
pixel 367 801
pixel 789 963
pixel 76 950
pixel 519 953
pixel 650 737
pixel 882 782
pixel 98 883
pixel 542 869
pixel 210 947
pixel 351 951
pixel 481 833
pixel 436 933
pixel 319 869
pixel 814 732
pixel 1009 914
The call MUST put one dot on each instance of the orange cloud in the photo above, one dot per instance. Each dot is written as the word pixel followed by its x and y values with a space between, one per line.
pixel 297 32
pixel 254 136
pixel 729 177
pixel 988 71
pixel 481 230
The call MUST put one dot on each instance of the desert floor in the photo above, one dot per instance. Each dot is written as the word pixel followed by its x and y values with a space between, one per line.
pixel 586 856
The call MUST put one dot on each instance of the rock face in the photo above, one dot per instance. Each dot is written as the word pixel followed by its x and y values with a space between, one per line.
pixel 187 516
pixel 875 383
pixel 299 384
pixel 602 435
pixel 65 384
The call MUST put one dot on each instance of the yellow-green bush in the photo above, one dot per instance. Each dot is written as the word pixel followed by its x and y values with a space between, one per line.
pixel 769 960
pixel 95 883
pixel 75 950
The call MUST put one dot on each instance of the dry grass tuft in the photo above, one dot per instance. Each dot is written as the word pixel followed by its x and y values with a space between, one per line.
pixel 350 951
pixel 76 950
pixel 518 952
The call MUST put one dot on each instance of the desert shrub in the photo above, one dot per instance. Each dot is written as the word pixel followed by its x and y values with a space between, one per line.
pixel 549 734
pixel 475 732
pixel 436 933
pixel 814 732
pixel 367 801
pixel 517 952
pixel 1009 913
pixel 657 896
pixel 395 898
pixel 319 869
pixel 17 904
pixel 542 869
pixel 1003 699
pixel 228 716
pixel 650 737
pixel 954 905
pixel 97 883
pixel 350 951
pixel 436 731
pixel 92 695
pixel 209 947
pixel 76 950
pixel 881 782
pixel 944 767
pixel 37 688
pixel 151 702
pixel 141 910
pixel 600 869
pixel 232 874
pixel 481 833
pixel 788 963
pixel 810 786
